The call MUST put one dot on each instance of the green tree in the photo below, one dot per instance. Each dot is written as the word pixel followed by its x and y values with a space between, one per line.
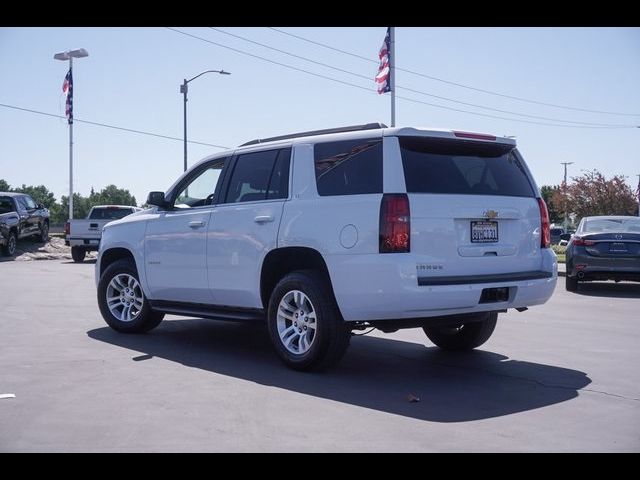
pixel 4 186
pixel 593 194
pixel 547 191
pixel 112 195
pixel 81 207
pixel 39 193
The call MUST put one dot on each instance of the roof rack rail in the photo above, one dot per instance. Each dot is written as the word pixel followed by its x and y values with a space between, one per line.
pixel 326 131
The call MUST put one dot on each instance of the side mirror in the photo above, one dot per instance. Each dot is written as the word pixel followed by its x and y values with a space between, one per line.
pixel 157 199
pixel 40 206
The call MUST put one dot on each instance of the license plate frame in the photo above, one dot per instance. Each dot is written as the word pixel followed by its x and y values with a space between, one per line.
pixel 482 231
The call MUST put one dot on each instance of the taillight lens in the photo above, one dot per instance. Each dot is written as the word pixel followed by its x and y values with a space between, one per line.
pixel 395 223
pixel 545 225
pixel 581 242
pixel 67 228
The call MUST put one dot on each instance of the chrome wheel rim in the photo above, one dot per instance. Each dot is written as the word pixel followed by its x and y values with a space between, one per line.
pixel 12 245
pixel 296 322
pixel 124 297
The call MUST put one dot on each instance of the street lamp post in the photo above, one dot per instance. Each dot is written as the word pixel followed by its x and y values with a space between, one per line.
pixel 564 195
pixel 184 88
pixel 70 55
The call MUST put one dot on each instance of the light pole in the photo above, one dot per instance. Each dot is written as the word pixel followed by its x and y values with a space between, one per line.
pixel 183 90
pixel 564 195
pixel 70 55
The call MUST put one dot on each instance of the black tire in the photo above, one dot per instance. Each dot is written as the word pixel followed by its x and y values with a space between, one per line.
pixel 9 250
pixel 78 253
pixel 571 283
pixel 466 336
pixel 44 233
pixel 332 334
pixel 145 320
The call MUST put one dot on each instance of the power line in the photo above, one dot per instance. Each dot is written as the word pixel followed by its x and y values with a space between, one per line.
pixel 420 92
pixel 112 126
pixel 461 85
pixel 374 92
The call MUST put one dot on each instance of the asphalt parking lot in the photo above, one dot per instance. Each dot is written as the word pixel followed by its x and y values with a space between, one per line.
pixel 560 377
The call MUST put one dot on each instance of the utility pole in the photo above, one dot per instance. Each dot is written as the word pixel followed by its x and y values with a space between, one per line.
pixel 638 194
pixel 564 195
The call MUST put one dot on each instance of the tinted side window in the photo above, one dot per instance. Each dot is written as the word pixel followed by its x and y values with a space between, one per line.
pixel 21 203
pixel 251 175
pixel 350 167
pixel 468 168
pixel 279 183
pixel 6 205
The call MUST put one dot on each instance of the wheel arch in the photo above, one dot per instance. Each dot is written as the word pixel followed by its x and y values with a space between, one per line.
pixel 281 261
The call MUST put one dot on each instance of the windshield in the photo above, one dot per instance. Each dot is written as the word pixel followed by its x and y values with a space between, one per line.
pixel 6 205
pixel 611 225
pixel 109 213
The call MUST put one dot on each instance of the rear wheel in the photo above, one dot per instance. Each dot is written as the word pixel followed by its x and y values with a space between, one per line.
pixel 305 325
pixel 78 253
pixel 571 283
pixel 122 302
pixel 465 336
pixel 10 248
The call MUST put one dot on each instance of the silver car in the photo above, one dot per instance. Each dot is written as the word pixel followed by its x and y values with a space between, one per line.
pixel 604 248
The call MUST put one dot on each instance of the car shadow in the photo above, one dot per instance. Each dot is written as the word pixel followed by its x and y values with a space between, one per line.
pixel 609 289
pixel 376 373
pixel 86 260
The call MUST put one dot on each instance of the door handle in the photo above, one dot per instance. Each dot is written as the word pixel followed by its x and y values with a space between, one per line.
pixel 263 218
pixel 196 224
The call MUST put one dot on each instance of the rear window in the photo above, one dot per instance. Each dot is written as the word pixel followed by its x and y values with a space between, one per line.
pixel 349 167
pixel 621 225
pixel 461 167
pixel 109 213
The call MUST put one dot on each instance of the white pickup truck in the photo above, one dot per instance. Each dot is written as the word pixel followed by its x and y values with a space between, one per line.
pixel 83 235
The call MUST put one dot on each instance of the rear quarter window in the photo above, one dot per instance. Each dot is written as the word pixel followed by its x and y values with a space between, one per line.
pixel 349 167
pixel 462 167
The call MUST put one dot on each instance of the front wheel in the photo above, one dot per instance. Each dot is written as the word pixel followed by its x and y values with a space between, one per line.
pixel 44 233
pixel 571 283
pixel 10 248
pixel 122 302
pixel 305 325
pixel 465 336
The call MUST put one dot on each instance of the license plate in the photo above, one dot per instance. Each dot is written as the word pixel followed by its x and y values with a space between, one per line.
pixel 617 247
pixel 483 232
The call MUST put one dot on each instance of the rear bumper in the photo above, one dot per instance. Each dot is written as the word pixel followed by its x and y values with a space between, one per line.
pixel 86 243
pixel 603 268
pixel 386 287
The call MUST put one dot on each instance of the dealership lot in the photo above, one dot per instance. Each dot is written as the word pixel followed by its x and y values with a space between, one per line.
pixel 560 377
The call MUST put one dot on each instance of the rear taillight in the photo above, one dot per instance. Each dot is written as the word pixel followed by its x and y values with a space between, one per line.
pixel 475 136
pixel 581 242
pixel 395 223
pixel 545 225
pixel 67 228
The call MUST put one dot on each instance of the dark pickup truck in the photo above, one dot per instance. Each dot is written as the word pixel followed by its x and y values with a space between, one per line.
pixel 21 217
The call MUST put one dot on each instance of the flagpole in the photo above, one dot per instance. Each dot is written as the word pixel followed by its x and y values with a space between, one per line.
pixel 392 76
pixel 71 144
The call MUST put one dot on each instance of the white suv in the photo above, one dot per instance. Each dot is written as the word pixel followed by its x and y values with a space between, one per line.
pixel 322 233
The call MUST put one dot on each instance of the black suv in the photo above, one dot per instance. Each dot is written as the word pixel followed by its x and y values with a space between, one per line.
pixel 21 217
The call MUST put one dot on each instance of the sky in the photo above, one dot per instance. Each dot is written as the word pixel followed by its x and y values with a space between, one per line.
pixel 132 76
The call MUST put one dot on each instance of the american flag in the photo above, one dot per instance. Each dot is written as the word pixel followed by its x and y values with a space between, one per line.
pixel 67 87
pixel 383 78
